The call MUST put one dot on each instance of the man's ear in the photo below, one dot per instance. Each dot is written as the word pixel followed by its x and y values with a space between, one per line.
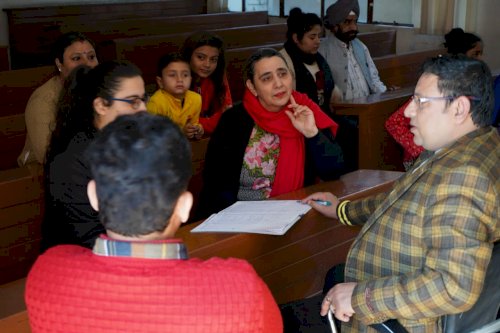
pixel 180 214
pixel 461 110
pixel 251 87
pixel 92 194
pixel 159 82
pixel 100 106
pixel 295 38
pixel 183 206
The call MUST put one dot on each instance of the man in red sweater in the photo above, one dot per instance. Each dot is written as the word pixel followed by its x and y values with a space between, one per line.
pixel 137 278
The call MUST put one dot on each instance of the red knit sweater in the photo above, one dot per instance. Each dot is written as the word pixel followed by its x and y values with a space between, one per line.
pixel 207 91
pixel 70 289
pixel 398 127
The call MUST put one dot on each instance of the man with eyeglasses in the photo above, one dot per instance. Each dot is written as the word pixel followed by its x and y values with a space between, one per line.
pixel 424 247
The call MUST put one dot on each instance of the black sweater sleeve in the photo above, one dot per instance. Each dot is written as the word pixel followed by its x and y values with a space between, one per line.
pixel 324 158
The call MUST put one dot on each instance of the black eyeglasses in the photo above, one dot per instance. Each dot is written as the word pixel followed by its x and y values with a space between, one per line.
pixel 134 102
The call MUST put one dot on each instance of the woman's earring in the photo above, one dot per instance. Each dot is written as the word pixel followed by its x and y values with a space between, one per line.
pixel 59 68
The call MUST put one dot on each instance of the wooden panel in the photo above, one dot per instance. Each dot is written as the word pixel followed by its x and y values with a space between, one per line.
pixel 12 138
pixel 19 186
pixel 294 265
pixel 198 150
pixel 379 43
pixel 16 86
pixel 4 58
pixel 48 20
pixel 107 11
pixel 375 148
pixel 16 323
pixel 15 262
pixel 29 50
pixel 21 212
pixel 20 233
pixel 403 70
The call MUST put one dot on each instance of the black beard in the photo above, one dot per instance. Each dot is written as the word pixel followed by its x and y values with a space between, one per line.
pixel 347 36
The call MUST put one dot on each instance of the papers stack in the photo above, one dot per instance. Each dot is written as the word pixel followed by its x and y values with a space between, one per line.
pixel 271 217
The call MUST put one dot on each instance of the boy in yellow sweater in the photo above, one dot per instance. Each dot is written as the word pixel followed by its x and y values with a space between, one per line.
pixel 174 99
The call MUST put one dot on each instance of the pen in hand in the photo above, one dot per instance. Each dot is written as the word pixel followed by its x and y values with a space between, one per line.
pixel 322 202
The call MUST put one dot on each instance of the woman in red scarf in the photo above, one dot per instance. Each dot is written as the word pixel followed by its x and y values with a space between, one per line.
pixel 276 141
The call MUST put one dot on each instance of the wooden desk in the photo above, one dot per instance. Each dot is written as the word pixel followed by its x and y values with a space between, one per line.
pixel 294 265
pixel 376 148
pixel 17 323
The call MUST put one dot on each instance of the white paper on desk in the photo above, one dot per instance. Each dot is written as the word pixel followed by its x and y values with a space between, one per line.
pixel 272 217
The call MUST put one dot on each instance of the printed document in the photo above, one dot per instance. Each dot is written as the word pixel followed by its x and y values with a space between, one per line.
pixel 273 217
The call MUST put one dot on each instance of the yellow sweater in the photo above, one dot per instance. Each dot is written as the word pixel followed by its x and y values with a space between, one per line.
pixel 162 103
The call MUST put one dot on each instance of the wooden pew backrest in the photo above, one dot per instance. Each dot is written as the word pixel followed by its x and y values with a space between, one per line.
pixel 4 58
pixel 47 20
pixel 379 43
pixel 16 86
pixel 403 70
pixel 28 49
pixel 106 10
pixel 21 211
pixel 12 137
pixel 140 47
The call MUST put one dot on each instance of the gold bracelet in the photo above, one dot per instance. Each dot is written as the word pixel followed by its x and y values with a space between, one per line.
pixel 341 213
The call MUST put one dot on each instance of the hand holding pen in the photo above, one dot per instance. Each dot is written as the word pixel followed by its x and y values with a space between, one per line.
pixel 324 202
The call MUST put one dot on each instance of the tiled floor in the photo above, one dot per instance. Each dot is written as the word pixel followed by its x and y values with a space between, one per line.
pixel 12 298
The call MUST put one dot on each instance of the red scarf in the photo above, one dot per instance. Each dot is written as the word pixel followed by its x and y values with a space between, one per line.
pixel 290 169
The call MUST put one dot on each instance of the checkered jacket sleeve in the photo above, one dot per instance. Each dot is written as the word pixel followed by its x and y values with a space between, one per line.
pixel 358 212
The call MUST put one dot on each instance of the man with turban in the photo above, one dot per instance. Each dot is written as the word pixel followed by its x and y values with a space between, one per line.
pixel 349 59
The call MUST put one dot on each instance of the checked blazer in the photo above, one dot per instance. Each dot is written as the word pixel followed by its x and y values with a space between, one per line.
pixel 424 247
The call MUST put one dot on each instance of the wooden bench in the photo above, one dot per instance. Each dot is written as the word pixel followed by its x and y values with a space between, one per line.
pixel 137 49
pixel 16 86
pixel 46 20
pixel 292 265
pixel 12 138
pixel 380 43
pixel 198 151
pixel 403 70
pixel 4 58
pixel 21 211
pixel 16 323
pixel 29 50
pixel 372 146
pixel 104 11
